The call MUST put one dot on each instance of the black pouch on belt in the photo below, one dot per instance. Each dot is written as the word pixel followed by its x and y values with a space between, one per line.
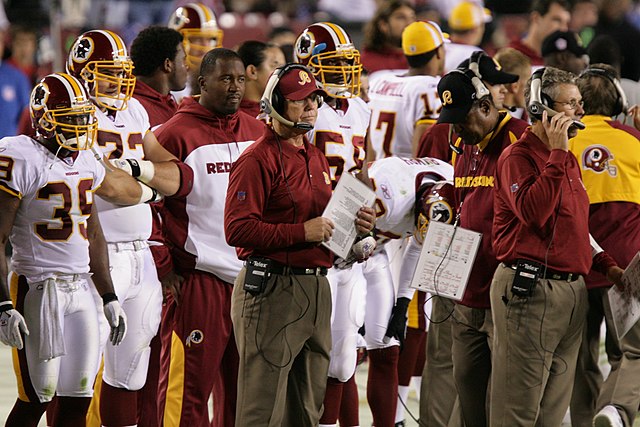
pixel 527 275
pixel 257 275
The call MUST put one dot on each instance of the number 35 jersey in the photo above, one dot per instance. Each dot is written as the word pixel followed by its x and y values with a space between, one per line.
pixel 49 234
pixel 340 135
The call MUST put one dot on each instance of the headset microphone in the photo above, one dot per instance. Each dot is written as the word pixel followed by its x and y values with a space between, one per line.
pixel 272 100
pixel 453 147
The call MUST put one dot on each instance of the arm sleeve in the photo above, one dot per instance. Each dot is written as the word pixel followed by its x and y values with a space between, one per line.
pixel 248 193
pixel 533 196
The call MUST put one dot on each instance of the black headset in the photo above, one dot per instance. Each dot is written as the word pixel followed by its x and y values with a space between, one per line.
pixel 272 102
pixel 540 101
pixel 621 106
pixel 476 77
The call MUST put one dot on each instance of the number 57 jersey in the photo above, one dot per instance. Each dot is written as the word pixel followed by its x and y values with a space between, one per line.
pixel 49 234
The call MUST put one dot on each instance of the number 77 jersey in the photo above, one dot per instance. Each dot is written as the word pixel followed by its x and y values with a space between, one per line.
pixel 398 104
pixel 340 134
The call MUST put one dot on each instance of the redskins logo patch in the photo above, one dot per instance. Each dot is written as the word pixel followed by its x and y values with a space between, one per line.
pixel 447 98
pixel 83 50
pixel 39 96
pixel 304 45
pixel 440 211
pixel 195 337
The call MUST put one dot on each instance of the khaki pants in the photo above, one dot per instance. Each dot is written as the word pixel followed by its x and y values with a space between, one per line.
pixel 535 348
pixel 284 338
pixel 472 334
pixel 439 404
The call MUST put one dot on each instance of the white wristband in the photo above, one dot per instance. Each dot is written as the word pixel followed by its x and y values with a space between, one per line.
pixel 147 193
pixel 147 171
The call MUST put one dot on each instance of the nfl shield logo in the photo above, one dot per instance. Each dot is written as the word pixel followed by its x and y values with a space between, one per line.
pixel 242 195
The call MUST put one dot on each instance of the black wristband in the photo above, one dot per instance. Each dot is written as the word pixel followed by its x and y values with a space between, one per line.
pixel 6 306
pixel 108 297
pixel 135 167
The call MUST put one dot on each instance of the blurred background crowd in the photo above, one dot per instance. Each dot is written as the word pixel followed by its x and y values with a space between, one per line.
pixel 36 34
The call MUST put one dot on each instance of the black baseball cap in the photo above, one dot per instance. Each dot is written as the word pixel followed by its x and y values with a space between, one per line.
pixel 563 41
pixel 490 71
pixel 457 95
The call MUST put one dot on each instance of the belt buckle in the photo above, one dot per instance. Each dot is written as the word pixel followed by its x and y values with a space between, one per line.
pixel 309 270
pixel 556 276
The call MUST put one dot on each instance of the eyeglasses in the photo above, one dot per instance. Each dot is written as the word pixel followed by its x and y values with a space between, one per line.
pixel 314 97
pixel 573 104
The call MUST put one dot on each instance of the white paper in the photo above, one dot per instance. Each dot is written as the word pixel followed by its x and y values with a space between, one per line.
pixel 446 259
pixel 348 197
pixel 625 305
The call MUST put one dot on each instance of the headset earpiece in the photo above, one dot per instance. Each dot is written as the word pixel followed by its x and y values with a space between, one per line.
pixel 540 101
pixel 476 77
pixel 621 106
pixel 272 102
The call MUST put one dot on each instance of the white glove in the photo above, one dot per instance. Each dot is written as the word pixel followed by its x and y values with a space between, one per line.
pixel 363 248
pixel 117 321
pixel 12 324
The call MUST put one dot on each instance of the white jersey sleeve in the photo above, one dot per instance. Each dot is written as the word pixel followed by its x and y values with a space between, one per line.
pixel 340 135
pixel 49 234
pixel 121 138
pixel 397 104
pixel 395 181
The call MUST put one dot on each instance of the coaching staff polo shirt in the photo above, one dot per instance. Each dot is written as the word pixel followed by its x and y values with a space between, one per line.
pixel 274 188
pixel 541 207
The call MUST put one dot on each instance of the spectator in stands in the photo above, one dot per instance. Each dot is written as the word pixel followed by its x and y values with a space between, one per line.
pixel 614 22
pixel 24 44
pixel 546 17
pixel 584 17
pixel 466 28
pixel 14 94
pixel 564 50
pixel 382 46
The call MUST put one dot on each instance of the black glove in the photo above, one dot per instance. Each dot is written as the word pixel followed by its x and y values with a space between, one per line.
pixel 397 327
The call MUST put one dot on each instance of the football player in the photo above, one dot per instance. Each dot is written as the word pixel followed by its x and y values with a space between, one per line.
pixel 99 59
pixel 198 25
pixel 47 192
pixel 340 131
pixel 404 106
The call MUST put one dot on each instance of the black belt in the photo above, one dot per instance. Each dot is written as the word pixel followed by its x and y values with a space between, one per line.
pixel 297 271
pixel 551 274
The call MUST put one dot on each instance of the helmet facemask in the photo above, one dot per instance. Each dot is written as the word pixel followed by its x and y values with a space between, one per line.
pixel 117 81
pixel 197 42
pixel 74 128
pixel 339 72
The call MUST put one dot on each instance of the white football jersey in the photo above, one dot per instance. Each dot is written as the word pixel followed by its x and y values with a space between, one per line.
pixel 395 181
pixel 397 104
pixel 340 135
pixel 49 234
pixel 121 138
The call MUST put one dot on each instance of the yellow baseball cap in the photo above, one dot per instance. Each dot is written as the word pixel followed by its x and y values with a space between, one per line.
pixel 467 16
pixel 422 37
